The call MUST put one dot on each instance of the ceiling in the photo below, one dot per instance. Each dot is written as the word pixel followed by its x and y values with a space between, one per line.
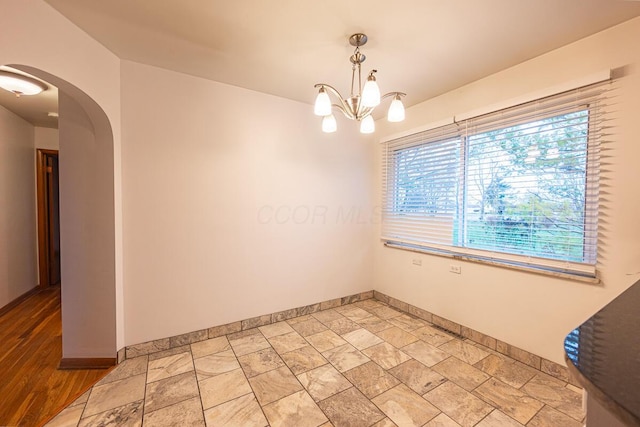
pixel 284 47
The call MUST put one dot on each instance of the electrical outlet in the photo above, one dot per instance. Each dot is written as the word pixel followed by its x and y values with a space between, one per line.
pixel 455 269
pixel 416 262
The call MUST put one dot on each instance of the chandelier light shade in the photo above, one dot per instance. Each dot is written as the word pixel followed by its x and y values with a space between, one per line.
pixel 362 100
pixel 329 124
pixel 396 110
pixel 323 104
pixel 367 125
pixel 19 84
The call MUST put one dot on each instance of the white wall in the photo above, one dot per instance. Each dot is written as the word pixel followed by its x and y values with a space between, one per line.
pixel 235 204
pixel 47 138
pixel 18 272
pixel 531 311
pixel 87 241
pixel 36 38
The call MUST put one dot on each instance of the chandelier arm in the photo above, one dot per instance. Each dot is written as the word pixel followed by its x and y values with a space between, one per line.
pixel 364 112
pixel 347 113
pixel 344 107
pixel 387 95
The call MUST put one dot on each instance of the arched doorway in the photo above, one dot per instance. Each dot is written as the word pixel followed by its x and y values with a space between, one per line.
pixel 87 225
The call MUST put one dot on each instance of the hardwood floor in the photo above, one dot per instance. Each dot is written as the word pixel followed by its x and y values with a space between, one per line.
pixel 32 389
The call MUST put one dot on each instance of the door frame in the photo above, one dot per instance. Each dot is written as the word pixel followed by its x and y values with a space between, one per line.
pixel 43 215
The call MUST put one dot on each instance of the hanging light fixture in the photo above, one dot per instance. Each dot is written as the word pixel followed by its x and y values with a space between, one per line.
pixel 20 85
pixel 361 101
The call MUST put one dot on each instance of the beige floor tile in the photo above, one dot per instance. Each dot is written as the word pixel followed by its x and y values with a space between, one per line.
pixel 223 388
pixel 323 382
pixel 206 347
pixel 499 419
pixel 386 355
pixel 275 329
pixel 297 409
pixel 386 422
pixel 186 413
pixel 553 392
pixel 461 373
pixel 303 359
pixel 342 326
pixel 215 364
pixel 274 385
pixel 460 405
pixel 574 388
pixel 259 362
pixel 169 352
pixel 398 361
pixel 287 342
pixel 126 369
pixel 170 390
pixel 509 400
pixel 115 394
pixel 374 324
pixel 397 337
pixel 466 352
pixel 351 408
pixel 326 316
pixel 352 312
pixel 385 312
pixel 371 379
pixel 169 366
pixel 243 411
pixel 248 344
pixel 442 421
pixel 407 323
pixel 432 336
pixel 325 340
pixel 69 417
pixel 82 400
pixel 361 339
pixel 309 327
pixel 549 417
pixel 417 376
pixel 243 334
pixel 345 357
pixel 368 304
pixel 129 415
pixel 510 372
pixel 404 407
pixel 425 353
pixel 299 319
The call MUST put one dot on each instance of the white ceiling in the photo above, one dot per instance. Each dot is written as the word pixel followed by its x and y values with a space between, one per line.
pixel 284 47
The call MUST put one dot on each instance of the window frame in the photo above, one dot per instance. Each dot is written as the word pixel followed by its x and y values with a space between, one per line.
pixel 585 270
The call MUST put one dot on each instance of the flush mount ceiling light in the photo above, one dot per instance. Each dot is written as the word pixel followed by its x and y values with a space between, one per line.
pixel 360 104
pixel 19 84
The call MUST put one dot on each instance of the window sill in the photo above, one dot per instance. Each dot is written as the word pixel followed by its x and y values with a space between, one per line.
pixel 527 269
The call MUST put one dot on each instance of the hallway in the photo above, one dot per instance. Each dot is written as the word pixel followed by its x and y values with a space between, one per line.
pixel 32 389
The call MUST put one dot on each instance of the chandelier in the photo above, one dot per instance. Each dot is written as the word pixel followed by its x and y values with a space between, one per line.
pixel 360 105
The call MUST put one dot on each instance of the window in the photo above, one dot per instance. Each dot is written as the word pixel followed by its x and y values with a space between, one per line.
pixel 518 187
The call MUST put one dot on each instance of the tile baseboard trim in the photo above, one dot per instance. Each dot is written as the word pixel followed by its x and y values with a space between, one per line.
pixel 546 366
pixel 541 364
pixel 169 343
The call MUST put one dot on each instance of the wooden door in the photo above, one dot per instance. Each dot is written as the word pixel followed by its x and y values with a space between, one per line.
pixel 48 217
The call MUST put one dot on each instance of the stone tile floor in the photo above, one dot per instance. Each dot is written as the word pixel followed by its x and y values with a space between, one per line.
pixel 363 364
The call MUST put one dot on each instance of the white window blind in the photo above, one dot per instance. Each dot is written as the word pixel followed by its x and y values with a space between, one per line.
pixel 518 186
